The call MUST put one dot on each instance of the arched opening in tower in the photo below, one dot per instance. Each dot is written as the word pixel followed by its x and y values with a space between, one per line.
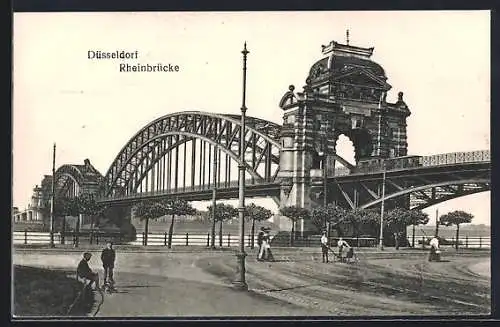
pixel 345 149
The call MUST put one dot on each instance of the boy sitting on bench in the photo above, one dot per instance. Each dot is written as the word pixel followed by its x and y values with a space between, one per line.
pixel 83 271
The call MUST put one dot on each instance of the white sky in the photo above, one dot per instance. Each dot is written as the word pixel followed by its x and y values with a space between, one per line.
pixel 440 60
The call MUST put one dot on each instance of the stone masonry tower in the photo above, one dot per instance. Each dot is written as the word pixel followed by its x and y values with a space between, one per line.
pixel 345 93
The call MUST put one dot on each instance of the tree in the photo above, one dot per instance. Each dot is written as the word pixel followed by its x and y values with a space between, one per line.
pixel 417 217
pixel 88 206
pixel 456 217
pixel 65 206
pixel 256 213
pixel 149 209
pixel 294 213
pixel 331 215
pixel 358 218
pixel 177 207
pixel 223 212
pixel 398 219
pixel 319 217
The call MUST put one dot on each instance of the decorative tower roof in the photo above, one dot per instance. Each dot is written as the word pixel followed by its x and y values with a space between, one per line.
pixel 343 59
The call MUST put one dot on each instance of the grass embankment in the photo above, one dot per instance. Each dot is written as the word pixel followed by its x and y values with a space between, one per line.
pixel 44 292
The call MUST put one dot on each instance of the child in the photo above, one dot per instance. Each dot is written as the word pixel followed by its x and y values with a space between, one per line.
pixel 84 271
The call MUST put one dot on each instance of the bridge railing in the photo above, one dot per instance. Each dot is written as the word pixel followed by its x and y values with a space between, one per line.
pixel 318 173
pixel 412 162
pixel 455 158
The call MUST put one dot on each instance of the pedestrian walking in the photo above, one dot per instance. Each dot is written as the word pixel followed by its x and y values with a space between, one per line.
pixel 435 253
pixel 260 239
pixel 108 256
pixel 269 253
pixel 324 247
pixel 341 244
pixel 265 253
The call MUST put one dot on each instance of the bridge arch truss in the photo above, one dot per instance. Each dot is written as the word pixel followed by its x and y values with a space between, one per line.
pixel 156 158
pixel 72 180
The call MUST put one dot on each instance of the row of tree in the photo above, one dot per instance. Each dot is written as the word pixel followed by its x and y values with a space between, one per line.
pixel 84 204
pixel 367 221
pixel 146 210
pixel 361 221
pixel 153 209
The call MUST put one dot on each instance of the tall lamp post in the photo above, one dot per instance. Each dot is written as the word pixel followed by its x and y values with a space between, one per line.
pixel 240 278
pixel 436 232
pixel 214 196
pixel 52 195
pixel 381 238
pixel 322 154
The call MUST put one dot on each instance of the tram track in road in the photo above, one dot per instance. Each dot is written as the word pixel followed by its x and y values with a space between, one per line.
pixel 327 295
pixel 327 283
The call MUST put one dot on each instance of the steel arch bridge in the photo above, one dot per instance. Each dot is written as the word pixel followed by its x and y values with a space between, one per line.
pixel 154 164
pixel 149 162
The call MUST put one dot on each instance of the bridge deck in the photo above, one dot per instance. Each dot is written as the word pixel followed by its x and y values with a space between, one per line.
pixel 401 180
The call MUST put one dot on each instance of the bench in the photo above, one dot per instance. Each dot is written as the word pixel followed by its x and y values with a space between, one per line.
pixel 85 281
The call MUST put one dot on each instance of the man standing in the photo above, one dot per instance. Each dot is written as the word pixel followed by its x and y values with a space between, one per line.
pixel 324 247
pixel 108 262
pixel 84 271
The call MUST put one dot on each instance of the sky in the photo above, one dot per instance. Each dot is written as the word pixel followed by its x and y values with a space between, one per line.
pixel 439 59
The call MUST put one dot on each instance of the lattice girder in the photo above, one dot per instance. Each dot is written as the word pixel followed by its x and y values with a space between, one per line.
pixel 424 186
pixel 215 129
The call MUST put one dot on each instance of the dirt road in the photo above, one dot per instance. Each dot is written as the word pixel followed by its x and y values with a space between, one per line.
pixel 298 284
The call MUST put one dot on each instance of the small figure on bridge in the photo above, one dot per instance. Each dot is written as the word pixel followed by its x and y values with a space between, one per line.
pixel 435 253
pixel 324 247
pixel 83 271
pixel 108 256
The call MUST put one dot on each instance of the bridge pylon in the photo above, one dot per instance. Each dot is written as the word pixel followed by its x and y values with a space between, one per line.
pixel 345 94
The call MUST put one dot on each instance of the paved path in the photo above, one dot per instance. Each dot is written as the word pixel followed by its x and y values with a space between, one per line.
pixel 169 284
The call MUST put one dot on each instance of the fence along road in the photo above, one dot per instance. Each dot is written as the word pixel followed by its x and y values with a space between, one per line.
pixel 154 239
pixel 228 240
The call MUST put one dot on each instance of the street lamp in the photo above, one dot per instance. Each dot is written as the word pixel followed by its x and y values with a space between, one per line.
pixel 436 232
pixel 240 280
pixel 52 195
pixel 214 195
pixel 322 155
pixel 381 240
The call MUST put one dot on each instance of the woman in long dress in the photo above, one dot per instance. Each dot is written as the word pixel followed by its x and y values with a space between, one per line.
pixel 264 246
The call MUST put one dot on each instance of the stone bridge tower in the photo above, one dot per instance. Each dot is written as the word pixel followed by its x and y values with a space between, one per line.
pixel 345 93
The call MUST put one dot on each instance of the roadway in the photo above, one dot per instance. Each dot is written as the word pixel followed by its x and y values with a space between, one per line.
pixel 197 283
